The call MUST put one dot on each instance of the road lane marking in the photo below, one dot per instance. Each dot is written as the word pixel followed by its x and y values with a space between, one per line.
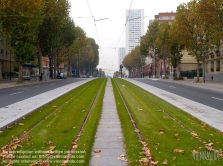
pixel 217 98
pixel 16 93
pixel 36 86
pixel 172 87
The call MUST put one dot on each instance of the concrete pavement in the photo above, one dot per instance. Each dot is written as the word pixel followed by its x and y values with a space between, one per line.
pixel 109 137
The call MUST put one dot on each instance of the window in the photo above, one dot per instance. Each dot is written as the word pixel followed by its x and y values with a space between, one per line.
pixel 218 65
pixel 160 18
pixel 169 17
pixel 212 66
pixel 2 52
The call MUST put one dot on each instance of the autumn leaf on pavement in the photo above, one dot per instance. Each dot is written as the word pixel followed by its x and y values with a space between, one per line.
pixel 97 150
pixel 98 156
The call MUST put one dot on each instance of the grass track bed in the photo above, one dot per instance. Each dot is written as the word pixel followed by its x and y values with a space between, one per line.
pixel 164 136
pixel 57 131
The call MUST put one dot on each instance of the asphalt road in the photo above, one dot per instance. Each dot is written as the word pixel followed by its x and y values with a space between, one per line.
pixel 12 95
pixel 207 97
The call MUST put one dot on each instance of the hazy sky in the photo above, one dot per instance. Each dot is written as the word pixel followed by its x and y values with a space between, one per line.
pixel 110 33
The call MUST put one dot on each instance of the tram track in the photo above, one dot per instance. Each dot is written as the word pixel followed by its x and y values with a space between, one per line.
pixel 24 136
pixel 145 148
pixel 207 144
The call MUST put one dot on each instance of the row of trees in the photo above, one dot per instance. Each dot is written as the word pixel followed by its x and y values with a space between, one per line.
pixel 43 28
pixel 197 28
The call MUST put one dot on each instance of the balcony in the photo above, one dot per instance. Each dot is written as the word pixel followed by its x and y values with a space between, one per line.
pixel 217 68
pixel 212 69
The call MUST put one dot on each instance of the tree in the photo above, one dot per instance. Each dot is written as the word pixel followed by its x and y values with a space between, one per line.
pixel 193 35
pixel 56 18
pixel 162 43
pixel 148 41
pixel 77 48
pixel 19 27
pixel 211 13
pixel 176 48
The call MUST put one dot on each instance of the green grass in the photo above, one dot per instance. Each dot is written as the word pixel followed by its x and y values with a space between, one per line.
pixel 151 120
pixel 60 129
pixel 87 138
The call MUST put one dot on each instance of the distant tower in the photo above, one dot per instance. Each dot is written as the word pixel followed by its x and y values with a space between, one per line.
pixel 134 28
pixel 121 55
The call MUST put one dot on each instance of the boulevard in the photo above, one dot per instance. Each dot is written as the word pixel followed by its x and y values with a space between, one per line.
pixel 15 94
pixel 207 97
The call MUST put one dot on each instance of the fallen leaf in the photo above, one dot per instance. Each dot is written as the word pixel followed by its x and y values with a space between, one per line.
pixel 176 135
pixel 83 111
pixel 165 162
pixel 194 134
pixel 136 130
pixel 178 151
pixel 144 161
pixel 98 156
pixel 161 130
pixel 97 150
pixel 1 131
pixel 210 144
pixel 21 124
pixel 154 162
pixel 174 158
pixel 95 165
pixel 106 127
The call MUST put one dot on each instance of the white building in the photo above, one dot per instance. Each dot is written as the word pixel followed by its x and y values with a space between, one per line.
pixel 134 28
pixel 121 55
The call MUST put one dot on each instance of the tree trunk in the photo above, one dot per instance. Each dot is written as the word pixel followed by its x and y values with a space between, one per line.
pixel 54 67
pixel 20 73
pixel 198 72
pixel 40 62
pixel 164 64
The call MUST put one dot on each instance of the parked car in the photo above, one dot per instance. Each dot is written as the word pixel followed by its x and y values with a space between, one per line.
pixel 90 76
pixel 61 76
pixel 84 76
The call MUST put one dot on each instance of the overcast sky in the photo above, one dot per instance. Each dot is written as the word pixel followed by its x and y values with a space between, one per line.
pixel 109 33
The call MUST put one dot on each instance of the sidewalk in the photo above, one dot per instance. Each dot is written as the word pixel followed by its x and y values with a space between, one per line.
pixel 109 137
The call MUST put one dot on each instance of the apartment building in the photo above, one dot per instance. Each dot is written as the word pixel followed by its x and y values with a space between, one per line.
pixel 134 28
pixel 6 60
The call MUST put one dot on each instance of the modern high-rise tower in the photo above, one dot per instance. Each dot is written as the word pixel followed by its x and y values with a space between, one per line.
pixel 134 28
pixel 121 55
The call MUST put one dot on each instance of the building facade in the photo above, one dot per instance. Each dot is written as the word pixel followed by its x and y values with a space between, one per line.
pixel 121 55
pixel 167 17
pixel 134 28
pixel 6 60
